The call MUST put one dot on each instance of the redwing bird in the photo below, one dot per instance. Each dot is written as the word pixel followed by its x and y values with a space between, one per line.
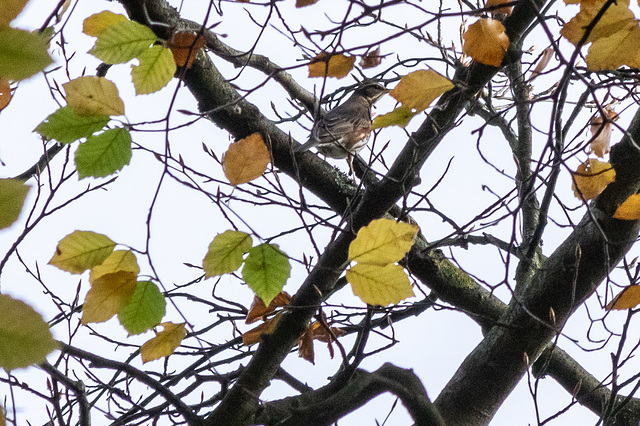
pixel 345 130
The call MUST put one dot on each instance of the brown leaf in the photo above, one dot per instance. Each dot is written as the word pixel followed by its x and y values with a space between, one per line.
pixel 542 63
pixel 486 41
pixel 5 93
pixel 305 345
pixel 185 45
pixel 304 3
pixel 506 10
pixel 253 336
pixel 259 310
pixel 601 131
pixel 372 59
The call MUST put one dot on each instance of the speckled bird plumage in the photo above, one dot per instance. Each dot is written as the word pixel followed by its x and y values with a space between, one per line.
pixel 345 130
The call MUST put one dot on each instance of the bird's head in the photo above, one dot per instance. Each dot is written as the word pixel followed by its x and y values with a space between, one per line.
pixel 371 92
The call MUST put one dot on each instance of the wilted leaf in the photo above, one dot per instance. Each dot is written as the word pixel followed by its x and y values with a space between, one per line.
pixel 22 54
pixel 104 154
pixel 12 195
pixel 542 63
pixel 82 250
pixel 165 343
pixel 185 45
pixel 628 298
pixel 25 338
pixel 303 3
pixel 372 59
pixel 155 71
pixel 95 24
pixel 630 209
pixel 66 125
pixel 591 178
pixel 400 116
pixel 325 65
pixel 601 131
pixel 246 159
pixel 305 345
pixel 382 242
pixel 226 252
pixel 379 285
pixel 118 261
pixel 486 41
pixel 122 41
pixel 259 310
pixel 5 93
pixel 107 296
pixel 266 271
pixel 145 309
pixel 418 89
pixel 253 336
pixel 93 96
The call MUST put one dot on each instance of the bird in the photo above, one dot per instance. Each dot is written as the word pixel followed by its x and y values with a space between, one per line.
pixel 344 131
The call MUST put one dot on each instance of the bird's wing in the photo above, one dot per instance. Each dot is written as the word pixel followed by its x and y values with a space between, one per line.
pixel 333 126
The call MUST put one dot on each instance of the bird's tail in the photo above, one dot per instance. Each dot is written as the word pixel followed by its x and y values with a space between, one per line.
pixel 306 146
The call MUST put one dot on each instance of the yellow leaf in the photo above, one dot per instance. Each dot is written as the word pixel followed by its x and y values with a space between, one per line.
pixel 25 337
pixel 382 242
pixel 184 46
pixel 591 178
pixel 10 9
pixel 93 96
pixel 253 336
pixel 5 93
pixel 325 65
pixel 99 22
pixel 12 195
pixel 418 89
pixel 118 261
pixel 628 298
pixel 379 285
pixel 165 343
pixel 630 209
pixel 486 42
pixel 81 250
pixel 246 160
pixel 108 295
pixel 398 117
pixel 615 38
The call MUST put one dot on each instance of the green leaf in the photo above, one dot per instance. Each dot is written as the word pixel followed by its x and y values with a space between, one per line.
pixel 25 338
pixel 81 250
pixel 398 117
pixel 225 253
pixel 145 310
pixel 12 195
pixel 266 270
pixel 66 126
pixel 104 154
pixel 121 42
pixel 22 54
pixel 156 69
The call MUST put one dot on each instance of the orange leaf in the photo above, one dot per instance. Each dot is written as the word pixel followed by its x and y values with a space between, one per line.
pixel 486 42
pixel 591 178
pixel 628 298
pixel 246 160
pixel 253 336
pixel 5 93
pixel 259 310
pixel 630 209
pixel 506 10
pixel 184 45
pixel 325 65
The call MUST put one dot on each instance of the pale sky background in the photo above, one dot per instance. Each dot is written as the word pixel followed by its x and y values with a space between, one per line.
pixel 184 222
